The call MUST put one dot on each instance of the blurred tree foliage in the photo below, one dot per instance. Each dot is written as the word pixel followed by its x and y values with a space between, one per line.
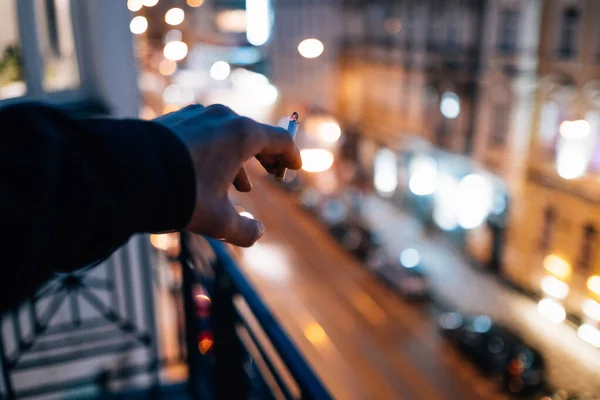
pixel 11 65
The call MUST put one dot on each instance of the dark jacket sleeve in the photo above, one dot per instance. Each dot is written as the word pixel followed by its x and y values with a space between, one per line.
pixel 73 190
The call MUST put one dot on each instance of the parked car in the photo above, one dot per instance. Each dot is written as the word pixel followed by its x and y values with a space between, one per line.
pixel 406 275
pixel 497 350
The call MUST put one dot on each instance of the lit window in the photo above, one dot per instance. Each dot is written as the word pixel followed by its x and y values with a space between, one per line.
pixel 588 246
pixel 508 32
pixel 549 221
pixel 500 126
pixel 569 33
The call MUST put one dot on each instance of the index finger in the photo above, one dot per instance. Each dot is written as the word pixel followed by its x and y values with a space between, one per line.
pixel 279 142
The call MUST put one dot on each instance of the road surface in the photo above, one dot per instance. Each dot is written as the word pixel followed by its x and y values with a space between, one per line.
pixel 362 339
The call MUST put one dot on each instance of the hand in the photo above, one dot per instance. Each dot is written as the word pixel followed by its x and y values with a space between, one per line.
pixel 220 142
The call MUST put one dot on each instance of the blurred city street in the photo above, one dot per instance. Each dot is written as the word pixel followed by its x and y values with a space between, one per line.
pixel 572 364
pixel 363 340
pixel 441 240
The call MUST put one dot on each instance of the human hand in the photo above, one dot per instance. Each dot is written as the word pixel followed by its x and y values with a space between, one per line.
pixel 220 142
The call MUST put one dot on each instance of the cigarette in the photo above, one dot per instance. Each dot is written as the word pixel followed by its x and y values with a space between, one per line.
pixel 292 129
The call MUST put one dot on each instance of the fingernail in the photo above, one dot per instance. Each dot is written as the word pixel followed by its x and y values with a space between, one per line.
pixel 261 230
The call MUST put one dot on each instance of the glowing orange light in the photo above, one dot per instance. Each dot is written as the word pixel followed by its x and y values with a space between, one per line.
pixel 195 3
pixel 516 367
pixel 593 283
pixel 167 67
pixel 169 108
pixel 557 266
pixel 203 297
pixel 205 343
pixel 164 241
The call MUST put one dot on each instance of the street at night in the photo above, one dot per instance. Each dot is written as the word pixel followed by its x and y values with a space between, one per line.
pixel 301 199
pixel 363 339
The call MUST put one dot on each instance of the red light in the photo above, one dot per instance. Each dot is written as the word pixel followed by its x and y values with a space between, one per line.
pixel 205 343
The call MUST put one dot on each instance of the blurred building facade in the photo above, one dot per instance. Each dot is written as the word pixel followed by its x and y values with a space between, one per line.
pixel 554 231
pixel 494 80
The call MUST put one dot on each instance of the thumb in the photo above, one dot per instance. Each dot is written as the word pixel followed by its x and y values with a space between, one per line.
pixel 242 231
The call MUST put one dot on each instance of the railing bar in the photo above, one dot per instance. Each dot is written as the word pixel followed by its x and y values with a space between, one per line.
pixel 6 379
pixel 149 306
pixel 127 283
pixel 52 309
pixel 97 283
pixel 275 383
pixel 113 317
pixel 48 314
pixel 74 305
pixel 75 355
pixel 33 317
pixel 14 314
pixel 262 342
pixel 55 344
pixel 304 375
pixel 111 274
pixel 49 289
pixel 65 327
pixel 264 356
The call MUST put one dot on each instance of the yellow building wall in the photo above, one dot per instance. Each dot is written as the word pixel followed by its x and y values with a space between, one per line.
pixel 524 258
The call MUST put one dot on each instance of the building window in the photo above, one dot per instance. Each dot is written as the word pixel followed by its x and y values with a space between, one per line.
pixel 569 33
pixel 509 29
pixel 37 48
pixel 549 222
pixel 56 45
pixel 12 74
pixel 499 126
pixel 588 246
pixel 453 36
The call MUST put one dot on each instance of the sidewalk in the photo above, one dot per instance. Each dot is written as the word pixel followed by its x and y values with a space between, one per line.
pixel 572 364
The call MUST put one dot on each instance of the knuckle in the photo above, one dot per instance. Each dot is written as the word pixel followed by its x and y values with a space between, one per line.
pixel 243 129
pixel 218 110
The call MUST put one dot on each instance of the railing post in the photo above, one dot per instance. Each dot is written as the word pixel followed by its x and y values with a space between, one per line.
pixel 191 329
pixel 8 388
pixel 231 379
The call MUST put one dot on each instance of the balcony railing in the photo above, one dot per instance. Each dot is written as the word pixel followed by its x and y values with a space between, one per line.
pixel 245 334
pixel 102 325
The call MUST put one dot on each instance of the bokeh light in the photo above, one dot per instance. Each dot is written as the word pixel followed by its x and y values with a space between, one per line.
pixel 135 5
pixel 150 3
pixel 175 51
pixel 167 67
pixel 410 258
pixel 311 48
pixel 316 160
pixel 450 105
pixel 220 70
pixel 552 310
pixel 138 25
pixel 174 16
pixel 258 21
pixel 423 179
pixel 195 3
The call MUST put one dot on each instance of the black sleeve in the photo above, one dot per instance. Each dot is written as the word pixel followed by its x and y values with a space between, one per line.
pixel 73 190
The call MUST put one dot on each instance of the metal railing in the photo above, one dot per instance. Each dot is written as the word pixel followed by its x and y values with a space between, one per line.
pixel 252 352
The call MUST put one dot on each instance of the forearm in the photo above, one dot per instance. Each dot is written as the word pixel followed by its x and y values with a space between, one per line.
pixel 74 190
